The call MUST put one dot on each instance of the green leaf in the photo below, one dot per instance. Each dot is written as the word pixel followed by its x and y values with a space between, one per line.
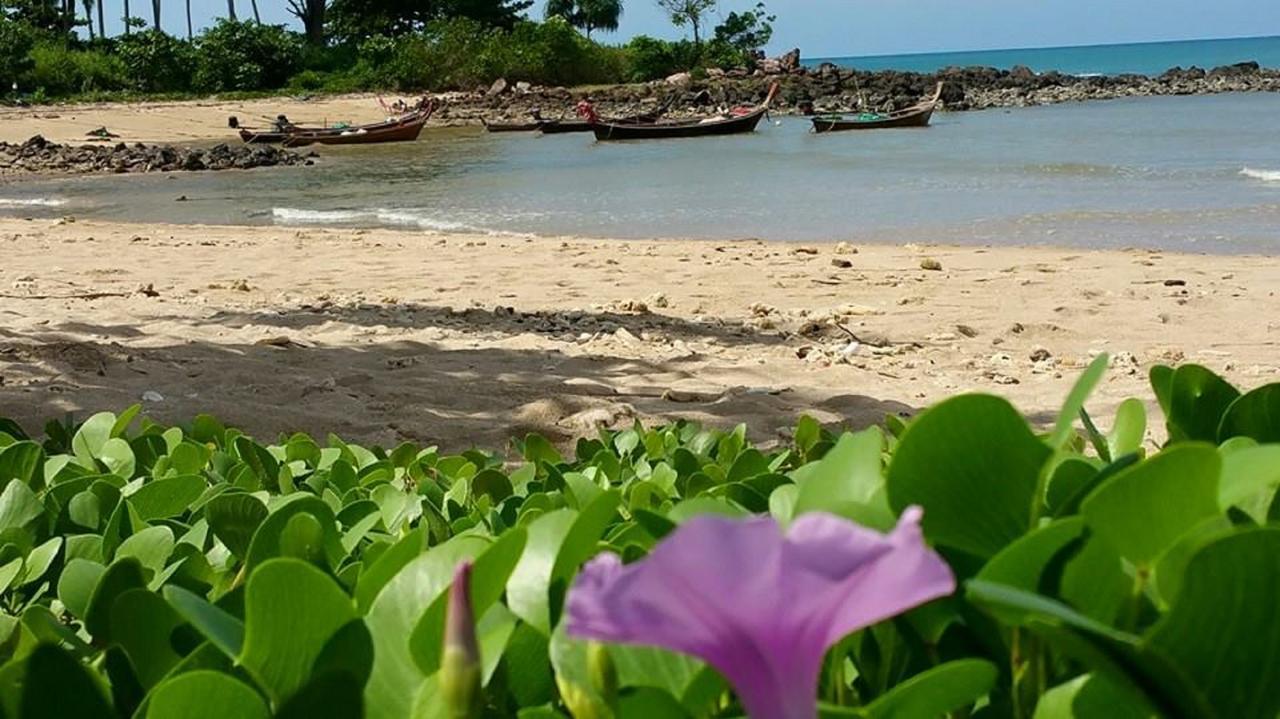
pixel 120 577
pixel 19 506
pixel 76 583
pixel 579 545
pixel 92 435
pixel 849 474
pixel 945 688
pixel 1198 399
pixel 1246 472
pixel 234 517
pixel 23 462
pixel 39 560
pixel 1255 414
pixel 291 611
pixel 220 628
pixel 1022 563
pixel 1222 629
pixel 117 456
pixel 151 547
pixel 58 686
pixel 387 565
pixel 143 624
pixel 1079 394
pixel 328 696
pixel 205 694
pixel 527 589
pixel 972 446
pixel 1129 429
pixel 9 572
pixel 394 614
pixel 1143 510
pixel 1091 695
pixel 165 498
pixel 267 539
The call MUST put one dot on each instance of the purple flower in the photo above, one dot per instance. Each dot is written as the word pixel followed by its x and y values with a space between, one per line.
pixel 760 606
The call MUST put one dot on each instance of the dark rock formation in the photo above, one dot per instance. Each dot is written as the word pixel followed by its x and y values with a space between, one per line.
pixel 39 155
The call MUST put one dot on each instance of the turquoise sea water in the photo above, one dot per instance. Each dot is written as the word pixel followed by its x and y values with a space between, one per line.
pixel 1188 173
pixel 1151 58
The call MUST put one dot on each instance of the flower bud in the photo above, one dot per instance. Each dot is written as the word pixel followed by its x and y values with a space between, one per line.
pixel 460 669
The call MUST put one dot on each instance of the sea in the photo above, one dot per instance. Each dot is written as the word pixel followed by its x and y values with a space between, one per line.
pixel 1144 58
pixel 1198 173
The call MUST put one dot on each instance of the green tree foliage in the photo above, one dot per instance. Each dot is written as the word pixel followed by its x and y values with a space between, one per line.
pixel 747 31
pixel 688 12
pixel 157 62
pixel 16 41
pixel 246 56
pixel 588 15
pixel 357 20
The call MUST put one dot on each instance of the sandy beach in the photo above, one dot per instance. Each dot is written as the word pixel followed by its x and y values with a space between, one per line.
pixel 385 336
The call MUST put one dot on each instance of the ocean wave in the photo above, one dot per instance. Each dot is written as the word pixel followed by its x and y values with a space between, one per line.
pixel 1264 175
pixel 32 202
pixel 1076 169
pixel 376 216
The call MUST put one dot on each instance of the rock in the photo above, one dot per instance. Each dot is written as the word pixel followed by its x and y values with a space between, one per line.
pixel 498 87
pixel 790 61
pixel 680 78
pixel 523 87
pixel 1175 283
pixel 1040 354
pixel 658 300
pixel 841 263
pixel 967 331
pixel 930 264
pixel 152 396
pixel 805 251
pixel 844 248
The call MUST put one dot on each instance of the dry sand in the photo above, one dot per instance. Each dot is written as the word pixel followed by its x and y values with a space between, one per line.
pixel 384 336
pixel 187 121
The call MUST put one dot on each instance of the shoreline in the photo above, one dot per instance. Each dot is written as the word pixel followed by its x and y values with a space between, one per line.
pixel 277 329
pixel 828 87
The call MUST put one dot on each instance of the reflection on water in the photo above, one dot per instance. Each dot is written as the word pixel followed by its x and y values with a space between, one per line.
pixel 1190 173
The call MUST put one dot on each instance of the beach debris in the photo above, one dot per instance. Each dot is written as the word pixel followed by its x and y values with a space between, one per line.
pixel 1040 354
pixel 102 133
pixel 841 263
pixel 182 198
pixel 152 396
pixel 147 290
pixel 658 300
pixel 930 264
pixel 1175 283
pixel 280 341
pixel 498 87
pixel 844 248
pixel 805 250
pixel 966 330
pixel 596 417
pixel 1000 378
pixel 240 285
pixel 759 309
pixel 1017 328
pixel 681 396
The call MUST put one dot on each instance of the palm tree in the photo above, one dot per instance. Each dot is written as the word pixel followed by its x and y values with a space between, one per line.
pixel 102 21
pixel 190 35
pixel 587 15
pixel 256 17
pixel 155 15
pixel 231 10
pixel 126 17
pixel 88 15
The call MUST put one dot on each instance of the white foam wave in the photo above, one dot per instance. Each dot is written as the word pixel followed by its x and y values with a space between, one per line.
pixel 31 202
pixel 380 216
pixel 1264 175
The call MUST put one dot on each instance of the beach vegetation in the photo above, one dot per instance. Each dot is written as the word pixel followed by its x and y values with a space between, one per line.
pixel 588 15
pixel 690 13
pixel 961 562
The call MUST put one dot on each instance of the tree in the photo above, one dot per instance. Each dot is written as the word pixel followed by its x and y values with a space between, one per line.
pixel 127 17
pixel 231 10
pixel 88 15
pixel 360 19
pixel 311 13
pixel 155 15
pixel 587 15
pixel 256 17
pixel 102 20
pixel 688 12
pixel 746 31
pixel 190 34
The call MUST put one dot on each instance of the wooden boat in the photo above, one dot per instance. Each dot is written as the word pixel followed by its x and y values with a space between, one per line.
pixel 915 116
pixel 563 126
pixel 740 120
pixel 405 128
pixel 532 126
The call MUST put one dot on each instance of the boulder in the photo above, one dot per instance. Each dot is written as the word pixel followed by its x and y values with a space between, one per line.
pixel 680 78
pixel 790 61
pixel 498 87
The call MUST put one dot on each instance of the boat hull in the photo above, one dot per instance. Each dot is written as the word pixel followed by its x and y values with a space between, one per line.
pixel 406 131
pixel 606 131
pixel 920 119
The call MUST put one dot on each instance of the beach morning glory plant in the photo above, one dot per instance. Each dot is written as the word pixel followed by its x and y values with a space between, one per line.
pixel 760 604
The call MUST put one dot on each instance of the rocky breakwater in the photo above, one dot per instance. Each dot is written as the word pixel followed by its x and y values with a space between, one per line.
pixel 38 155
pixel 830 88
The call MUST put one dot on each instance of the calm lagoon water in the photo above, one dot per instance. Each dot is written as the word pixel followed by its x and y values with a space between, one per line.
pixel 1189 173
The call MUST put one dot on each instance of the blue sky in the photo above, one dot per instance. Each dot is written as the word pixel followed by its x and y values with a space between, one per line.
pixel 874 27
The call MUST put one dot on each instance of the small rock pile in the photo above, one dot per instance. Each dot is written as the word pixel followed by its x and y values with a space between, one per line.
pixel 38 155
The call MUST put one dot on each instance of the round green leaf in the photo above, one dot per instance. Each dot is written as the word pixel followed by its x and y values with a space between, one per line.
pixel 204 694
pixel 164 498
pixel 234 517
pixel 1255 414
pixel 142 623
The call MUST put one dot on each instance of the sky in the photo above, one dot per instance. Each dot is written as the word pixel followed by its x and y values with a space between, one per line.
pixel 826 28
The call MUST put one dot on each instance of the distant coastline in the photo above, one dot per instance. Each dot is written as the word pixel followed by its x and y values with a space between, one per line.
pixel 1145 58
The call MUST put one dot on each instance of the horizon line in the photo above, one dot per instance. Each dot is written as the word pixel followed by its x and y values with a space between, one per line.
pixel 918 53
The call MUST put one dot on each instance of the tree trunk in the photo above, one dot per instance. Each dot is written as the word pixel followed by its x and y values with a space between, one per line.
pixel 190 35
pixel 231 10
pixel 155 15
pixel 102 20
pixel 88 15
pixel 256 17
pixel 127 29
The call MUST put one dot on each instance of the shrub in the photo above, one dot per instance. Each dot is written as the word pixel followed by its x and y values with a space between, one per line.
pixel 246 56
pixel 157 62
pixel 653 59
pixel 16 41
pixel 62 70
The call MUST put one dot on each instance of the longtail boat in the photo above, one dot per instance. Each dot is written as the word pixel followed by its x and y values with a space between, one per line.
pixel 563 125
pixel 402 128
pixel 915 116
pixel 737 121
pixel 531 126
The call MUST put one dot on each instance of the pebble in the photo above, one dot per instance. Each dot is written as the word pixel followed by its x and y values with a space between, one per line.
pixel 930 264
pixel 841 263
pixel 844 248
pixel 152 396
